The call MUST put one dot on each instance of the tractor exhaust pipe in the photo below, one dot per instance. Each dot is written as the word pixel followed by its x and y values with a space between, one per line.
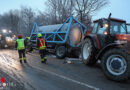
pixel 109 16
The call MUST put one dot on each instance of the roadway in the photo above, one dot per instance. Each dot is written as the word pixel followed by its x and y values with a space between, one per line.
pixel 55 75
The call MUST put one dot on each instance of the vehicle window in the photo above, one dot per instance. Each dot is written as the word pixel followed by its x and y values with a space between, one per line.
pixel 95 28
pixel 117 28
pixel 128 28
pixel 114 29
pixel 123 29
pixel 101 30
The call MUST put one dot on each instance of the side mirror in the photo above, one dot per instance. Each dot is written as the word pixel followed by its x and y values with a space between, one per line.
pixel 101 23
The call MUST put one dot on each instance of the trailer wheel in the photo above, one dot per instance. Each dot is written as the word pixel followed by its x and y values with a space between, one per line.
pixel 61 52
pixel 115 65
pixel 87 52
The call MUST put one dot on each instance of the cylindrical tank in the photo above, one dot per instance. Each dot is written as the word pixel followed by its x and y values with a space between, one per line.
pixel 52 28
pixel 74 35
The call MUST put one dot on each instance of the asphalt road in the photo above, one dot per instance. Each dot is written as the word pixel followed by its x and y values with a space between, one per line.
pixel 55 75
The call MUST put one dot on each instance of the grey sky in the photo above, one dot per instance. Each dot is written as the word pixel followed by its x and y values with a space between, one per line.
pixel 6 5
pixel 118 8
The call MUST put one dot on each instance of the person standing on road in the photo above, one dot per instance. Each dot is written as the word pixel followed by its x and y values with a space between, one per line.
pixel 20 45
pixel 28 45
pixel 41 45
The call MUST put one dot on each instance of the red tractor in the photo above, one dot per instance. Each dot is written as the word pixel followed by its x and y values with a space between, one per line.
pixel 109 42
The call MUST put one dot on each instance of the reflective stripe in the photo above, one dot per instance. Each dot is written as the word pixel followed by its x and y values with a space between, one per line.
pixel 24 58
pixel 45 57
pixel 21 48
pixel 42 43
pixel 20 58
pixel 20 43
pixel 42 59
pixel 42 46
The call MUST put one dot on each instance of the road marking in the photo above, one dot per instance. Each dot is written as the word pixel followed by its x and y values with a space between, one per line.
pixel 69 79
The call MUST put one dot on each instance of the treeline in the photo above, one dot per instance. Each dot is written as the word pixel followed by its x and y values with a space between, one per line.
pixel 56 11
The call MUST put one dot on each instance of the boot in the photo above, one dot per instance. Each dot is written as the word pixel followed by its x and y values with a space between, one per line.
pixel 45 61
pixel 42 61
pixel 25 61
pixel 20 61
pixel 24 58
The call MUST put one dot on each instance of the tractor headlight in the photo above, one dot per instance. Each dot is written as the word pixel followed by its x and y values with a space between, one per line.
pixel 106 25
pixel 121 41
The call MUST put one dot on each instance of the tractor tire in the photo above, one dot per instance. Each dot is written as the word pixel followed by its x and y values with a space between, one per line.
pixel 61 52
pixel 87 52
pixel 115 64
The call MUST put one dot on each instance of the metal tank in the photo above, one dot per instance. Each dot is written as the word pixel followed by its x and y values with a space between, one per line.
pixel 68 34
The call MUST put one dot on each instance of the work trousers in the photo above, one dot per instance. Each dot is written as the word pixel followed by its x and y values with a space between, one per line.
pixel 43 54
pixel 22 54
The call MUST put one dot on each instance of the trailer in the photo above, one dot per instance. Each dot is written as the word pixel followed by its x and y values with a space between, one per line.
pixel 62 39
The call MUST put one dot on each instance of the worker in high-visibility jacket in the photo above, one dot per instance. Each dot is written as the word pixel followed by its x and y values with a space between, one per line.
pixel 41 45
pixel 20 45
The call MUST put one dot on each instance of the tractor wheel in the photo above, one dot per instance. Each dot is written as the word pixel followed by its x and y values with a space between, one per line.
pixel 115 64
pixel 61 52
pixel 87 52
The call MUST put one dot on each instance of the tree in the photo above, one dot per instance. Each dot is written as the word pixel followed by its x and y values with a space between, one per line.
pixel 10 21
pixel 22 20
pixel 85 9
pixel 43 18
pixel 27 20
pixel 4 21
pixel 14 21
pixel 19 21
pixel 60 10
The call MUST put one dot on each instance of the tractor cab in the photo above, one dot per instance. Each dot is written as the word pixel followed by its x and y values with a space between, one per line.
pixel 109 30
pixel 112 26
pixel 128 28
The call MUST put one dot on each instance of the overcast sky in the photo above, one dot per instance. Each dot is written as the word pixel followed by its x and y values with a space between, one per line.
pixel 118 8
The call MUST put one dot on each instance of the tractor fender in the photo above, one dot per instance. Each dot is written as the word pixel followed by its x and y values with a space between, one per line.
pixel 94 39
pixel 107 47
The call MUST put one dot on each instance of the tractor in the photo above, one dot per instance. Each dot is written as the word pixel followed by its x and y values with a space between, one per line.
pixel 108 42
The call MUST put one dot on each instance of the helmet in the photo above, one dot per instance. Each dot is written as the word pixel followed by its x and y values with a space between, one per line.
pixel 28 38
pixel 39 35
pixel 20 36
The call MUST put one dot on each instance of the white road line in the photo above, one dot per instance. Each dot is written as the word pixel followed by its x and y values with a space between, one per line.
pixel 69 79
